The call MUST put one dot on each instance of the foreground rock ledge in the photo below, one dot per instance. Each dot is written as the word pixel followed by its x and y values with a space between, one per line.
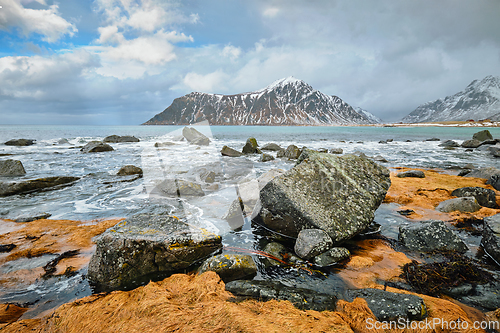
pixel 336 194
pixel 145 247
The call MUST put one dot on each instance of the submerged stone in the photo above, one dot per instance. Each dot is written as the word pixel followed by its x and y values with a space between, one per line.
pixel 230 267
pixel 430 236
pixel 96 147
pixel 35 185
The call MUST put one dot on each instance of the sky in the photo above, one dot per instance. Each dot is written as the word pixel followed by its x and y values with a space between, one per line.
pixel 120 62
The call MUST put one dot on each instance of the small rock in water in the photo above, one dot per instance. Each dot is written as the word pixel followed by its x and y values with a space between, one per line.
pixel 411 173
pixel 266 158
pixel 485 197
pixel 271 147
pixel 164 144
pixel 230 267
pixel 332 256
pixel 429 236
pixel 63 141
pixel 471 143
pixel 464 205
pixel 311 242
pixel 11 168
pixel 20 142
pixel 226 151
pixel 35 185
pixel 129 170
pixel 251 147
pixel 379 158
pixel 33 217
pixel 292 152
pixel 433 139
pixel 96 147
pixel 336 151
pixel 449 143
pixel 118 139
pixel 208 176
pixel 482 135
pixel 178 188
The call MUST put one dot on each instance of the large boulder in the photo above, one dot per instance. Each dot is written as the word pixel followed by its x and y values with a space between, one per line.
pixel 96 147
pixel 485 197
pixel 336 194
pixel 464 205
pixel 491 237
pixel 430 236
pixel 194 137
pixel 20 142
pixel 292 152
pixel 227 151
pixel 251 147
pixel 35 185
pixel 118 139
pixel 230 267
pixel 147 246
pixel 11 168
pixel 266 158
pixel 471 143
pixel 271 147
pixel 482 135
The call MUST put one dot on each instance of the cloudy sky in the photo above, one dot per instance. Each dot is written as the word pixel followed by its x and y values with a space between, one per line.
pixel 122 61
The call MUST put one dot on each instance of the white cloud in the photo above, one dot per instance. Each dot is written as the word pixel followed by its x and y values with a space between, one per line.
pixel 271 12
pixel 210 83
pixel 232 52
pixel 46 22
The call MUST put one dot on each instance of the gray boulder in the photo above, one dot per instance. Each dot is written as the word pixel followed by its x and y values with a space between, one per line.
pixel 129 170
pixel 230 267
pixel 485 197
pixel 433 139
pixel 11 168
pixel 411 173
pixel 494 181
pixel 20 142
pixel 471 143
pixel 449 143
pixel 311 242
pixel 235 214
pixel 147 246
pixel 208 176
pixel 338 151
pixel 35 185
pixel 379 158
pixel 194 137
pixel 251 147
pixel 332 256
pixel 32 217
pixel 292 152
pixel 119 139
pixel 281 153
pixel 336 194
pixel 388 306
pixel 226 151
pixel 482 136
pixel 491 237
pixel 178 188
pixel 304 299
pixel 96 147
pixel 266 158
pixel 494 150
pixel 271 147
pixel 484 173
pixel 464 205
pixel 430 236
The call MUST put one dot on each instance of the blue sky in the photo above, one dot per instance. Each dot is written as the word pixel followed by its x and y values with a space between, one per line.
pixel 122 61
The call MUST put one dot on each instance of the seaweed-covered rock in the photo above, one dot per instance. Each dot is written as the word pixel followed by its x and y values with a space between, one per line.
pixel 388 306
pixel 482 135
pixel 311 242
pixel 119 139
pixel 147 246
pixel 194 137
pixel 11 168
pixel 227 151
pixel 251 147
pixel 304 299
pixel 20 142
pixel 411 173
pixel 35 185
pixel 471 143
pixel 485 197
pixel 336 194
pixel 129 170
pixel 430 236
pixel 230 267
pixel 332 256
pixel 491 237
pixel 293 152
pixel 464 205
pixel 96 147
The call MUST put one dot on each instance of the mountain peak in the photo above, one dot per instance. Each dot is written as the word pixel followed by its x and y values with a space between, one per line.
pixel 285 82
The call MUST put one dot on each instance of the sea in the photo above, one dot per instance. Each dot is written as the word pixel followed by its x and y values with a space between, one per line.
pixel 100 193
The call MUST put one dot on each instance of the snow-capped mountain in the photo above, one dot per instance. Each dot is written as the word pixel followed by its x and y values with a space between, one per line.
pixel 287 101
pixel 480 100
pixel 370 116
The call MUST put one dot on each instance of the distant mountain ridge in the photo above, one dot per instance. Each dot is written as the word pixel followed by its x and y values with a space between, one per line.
pixel 288 101
pixel 479 100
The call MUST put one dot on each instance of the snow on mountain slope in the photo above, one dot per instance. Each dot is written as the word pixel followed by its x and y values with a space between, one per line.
pixel 288 101
pixel 479 100
pixel 370 116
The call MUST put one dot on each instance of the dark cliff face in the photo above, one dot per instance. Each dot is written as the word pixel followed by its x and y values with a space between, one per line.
pixel 479 100
pixel 286 102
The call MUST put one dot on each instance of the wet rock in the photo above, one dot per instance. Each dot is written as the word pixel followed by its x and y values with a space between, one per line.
pixel 430 236
pixel 7 247
pixel 485 197
pixel 11 168
pixel 119 139
pixel 32 217
pixel 495 151
pixel 336 194
pixel 494 181
pixel 251 147
pixel 62 141
pixel 332 256
pixel 96 147
pixel 178 188
pixel 464 205
pixel 471 143
pixel 128 170
pixel 292 152
pixel 336 151
pixel 281 252
pixel 266 158
pixel 379 158
pixel 383 141
pixel 491 237
pixel 230 267
pixel 226 151
pixel 311 242
pixel 388 306
pixel 484 173
pixel 463 173
pixel 483 296
pixel 304 299
pixel 164 144
pixel 208 176
pixel 271 147
pixel 433 139
pixel 20 142
pixel 235 214
pixel 35 185
pixel 147 246
pixel 449 143
pixel 482 135
pixel 322 150
pixel 194 137
pixel 411 173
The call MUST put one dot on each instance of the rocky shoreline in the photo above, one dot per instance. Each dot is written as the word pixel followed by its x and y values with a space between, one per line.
pixel 316 216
